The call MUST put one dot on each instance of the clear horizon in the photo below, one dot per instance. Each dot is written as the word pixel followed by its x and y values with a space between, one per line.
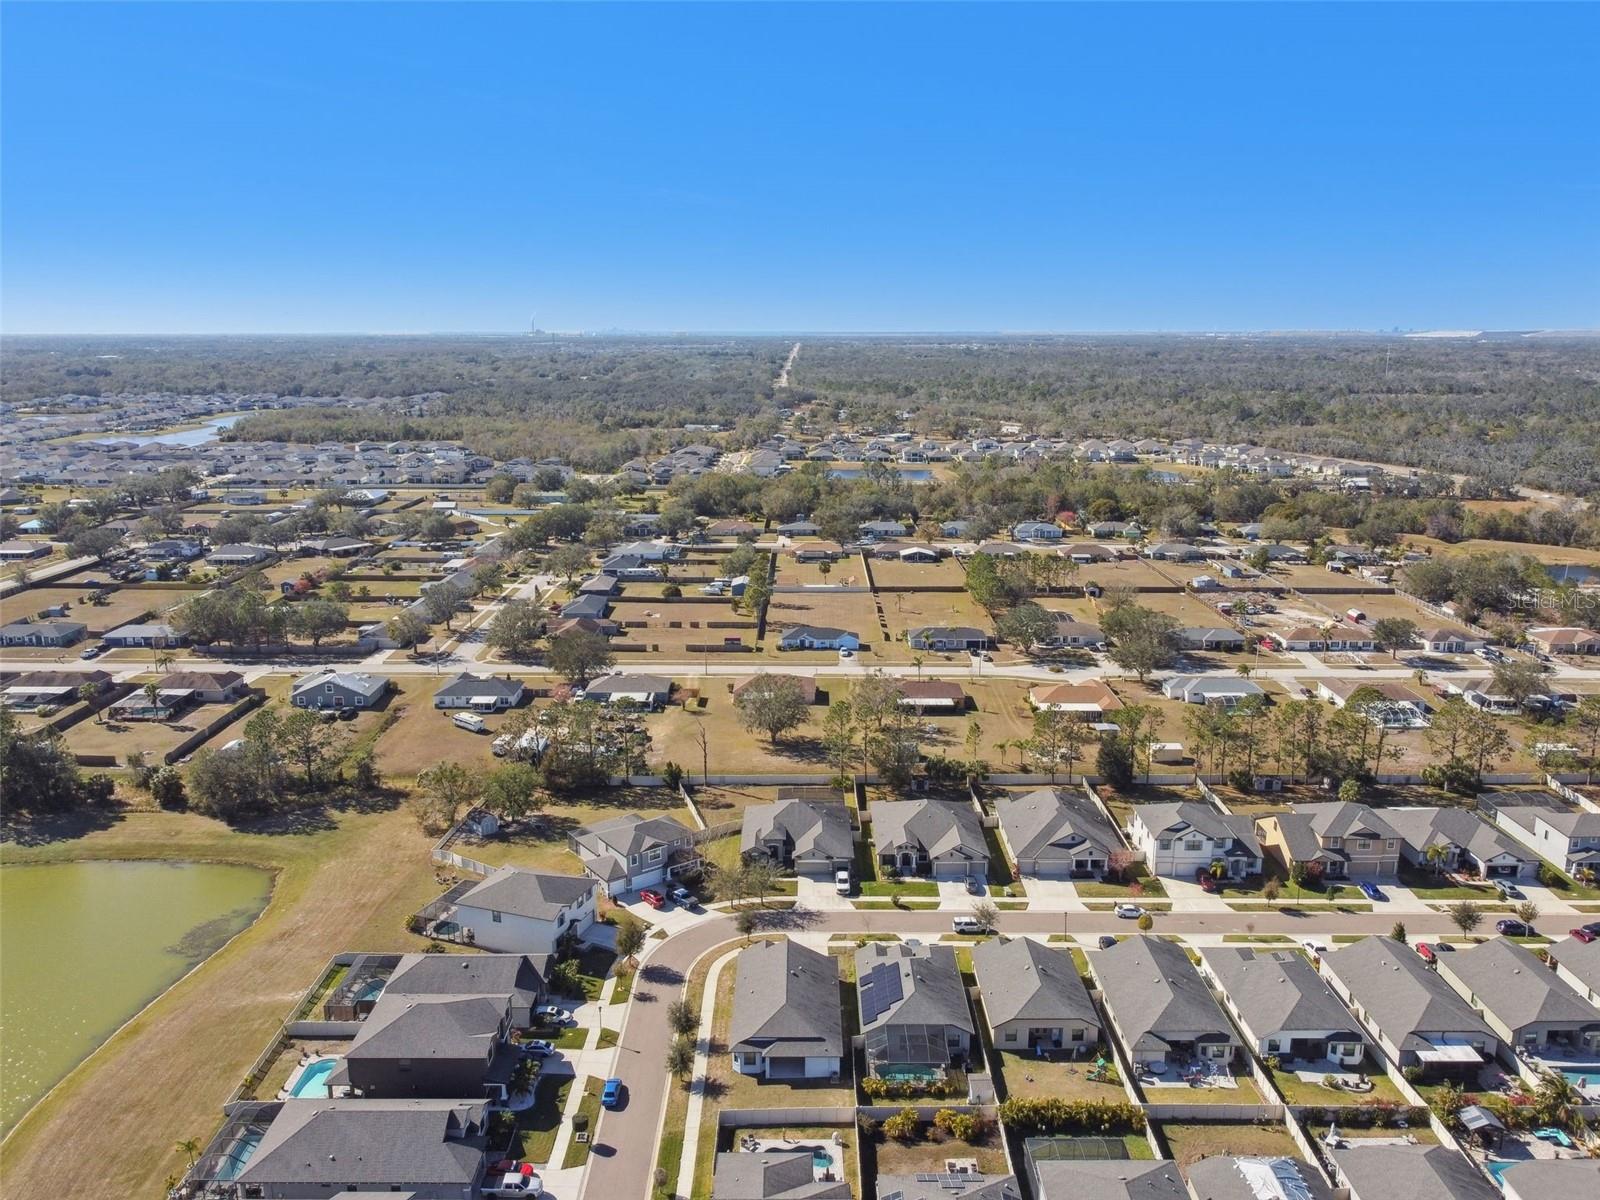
pixel 405 170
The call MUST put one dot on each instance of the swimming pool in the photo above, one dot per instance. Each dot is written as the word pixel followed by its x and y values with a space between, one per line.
pixel 1498 1170
pixel 1586 1080
pixel 313 1081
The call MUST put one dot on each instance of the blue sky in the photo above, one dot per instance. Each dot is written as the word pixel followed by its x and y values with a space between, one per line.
pixel 238 168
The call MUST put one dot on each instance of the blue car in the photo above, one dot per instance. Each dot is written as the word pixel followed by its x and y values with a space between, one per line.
pixel 1371 892
pixel 611 1094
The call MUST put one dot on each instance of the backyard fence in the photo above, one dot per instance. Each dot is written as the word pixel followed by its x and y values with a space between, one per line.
pixel 201 736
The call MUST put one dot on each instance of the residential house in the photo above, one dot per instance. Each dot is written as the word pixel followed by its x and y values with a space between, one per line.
pixel 732 528
pixel 1565 640
pixel 1334 637
pixel 1036 531
pixel 482 693
pixel 631 852
pixel 173 550
pixel 1175 552
pixel 1225 690
pixel 932 695
pixel 938 839
pixel 1522 1000
pixel 1033 997
pixel 773 1175
pixel 178 691
pixel 526 912
pixel 1091 700
pixel 949 637
pixel 786 1021
pixel 1336 840
pixel 914 1013
pixel 1569 839
pixel 1419 1172
pixel 236 554
pixel 883 529
pixel 1466 841
pixel 806 683
pixel 812 837
pixel 21 551
pixel 1056 833
pixel 944 1185
pixel 1160 1006
pixel 515 976
pixel 1084 553
pixel 1542 1178
pixel 593 606
pixel 818 552
pixel 431 1047
pixel 1115 529
pixel 1285 1007
pixel 1073 633
pixel 338 689
pixel 42 633
pixel 1445 640
pixel 1339 691
pixel 1216 639
pixel 1413 1014
pixel 425 1149
pixel 1578 962
pixel 36 689
pixel 1225 1177
pixel 152 635
pixel 1178 840
pixel 1106 1179
pixel 817 637
pixel 651 691
pixel 600 584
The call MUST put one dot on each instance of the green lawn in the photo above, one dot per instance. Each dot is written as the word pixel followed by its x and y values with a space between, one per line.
pixel 537 1126
pixel 1297 1091
pixel 909 887
pixel 586 1116
pixel 1090 889
pixel 572 1038
pixel 623 987
pixel 608 1038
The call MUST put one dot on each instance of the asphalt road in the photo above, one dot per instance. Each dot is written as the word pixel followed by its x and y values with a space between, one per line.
pixel 626 1140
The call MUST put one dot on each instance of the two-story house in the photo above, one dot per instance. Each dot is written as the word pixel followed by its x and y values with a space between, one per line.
pixel 1177 840
pixel 526 912
pixel 1337 840
pixel 1568 839
pixel 631 852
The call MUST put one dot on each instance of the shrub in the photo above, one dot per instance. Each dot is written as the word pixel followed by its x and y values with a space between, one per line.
pixel 961 1125
pixel 903 1126
pixel 1146 923
pixel 1042 1115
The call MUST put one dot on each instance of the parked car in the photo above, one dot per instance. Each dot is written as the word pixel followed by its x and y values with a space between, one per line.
pixel 1106 941
pixel 521 1181
pixel 1206 880
pixel 653 898
pixel 539 1048
pixel 1592 927
pixel 683 896
pixel 1313 946
pixel 1131 912
pixel 1512 928
pixel 1507 890
pixel 968 925
pixel 1426 951
pixel 611 1094
pixel 1582 934
pixel 552 1014
pixel 91 652
pixel 841 882
pixel 847 653
pixel 1370 891
pixel 347 714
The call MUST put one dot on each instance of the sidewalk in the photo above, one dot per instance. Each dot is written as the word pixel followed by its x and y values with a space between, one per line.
pixel 566 1183
pixel 702 1057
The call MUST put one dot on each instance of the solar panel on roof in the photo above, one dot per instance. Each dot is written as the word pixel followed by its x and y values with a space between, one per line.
pixel 880 991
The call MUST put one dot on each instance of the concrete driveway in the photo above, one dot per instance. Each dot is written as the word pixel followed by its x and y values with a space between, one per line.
pixel 819 895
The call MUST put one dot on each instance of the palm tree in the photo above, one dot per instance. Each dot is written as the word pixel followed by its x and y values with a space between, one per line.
pixel 1556 1101
pixel 1243 670
pixel 190 1147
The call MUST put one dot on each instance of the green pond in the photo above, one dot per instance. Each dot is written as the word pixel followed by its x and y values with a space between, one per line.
pixel 85 945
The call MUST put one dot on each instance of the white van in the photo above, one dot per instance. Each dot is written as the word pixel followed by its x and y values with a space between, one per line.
pixel 471 722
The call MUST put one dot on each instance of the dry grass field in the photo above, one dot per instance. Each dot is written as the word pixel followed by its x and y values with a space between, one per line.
pixel 947 572
pixel 121 606
pixel 846 572
pixel 672 627
pixel 151 738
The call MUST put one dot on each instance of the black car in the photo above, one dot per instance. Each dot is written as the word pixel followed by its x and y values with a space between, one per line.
pixel 1107 941
pixel 1513 928
pixel 347 714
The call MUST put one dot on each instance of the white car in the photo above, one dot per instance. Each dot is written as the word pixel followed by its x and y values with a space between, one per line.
pixel 552 1014
pixel 969 925
pixel 847 654
pixel 841 882
pixel 517 1183
pixel 538 1047
pixel 1131 911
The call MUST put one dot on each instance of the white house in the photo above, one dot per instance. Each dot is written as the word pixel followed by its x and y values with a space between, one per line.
pixel 526 912
pixel 1177 840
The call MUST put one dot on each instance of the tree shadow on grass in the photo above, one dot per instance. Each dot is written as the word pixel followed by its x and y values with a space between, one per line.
pixel 19 827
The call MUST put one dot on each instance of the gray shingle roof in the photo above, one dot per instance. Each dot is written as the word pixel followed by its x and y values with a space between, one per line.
pixel 930 984
pixel 1053 825
pixel 786 1002
pixel 933 1185
pixel 1420 828
pixel 1582 959
pixel 1509 981
pixel 467 686
pixel 943 828
pixel 513 975
pixel 1402 996
pixel 1415 1172
pixel 1156 995
pixel 1109 1179
pixel 344 1142
pixel 430 1028
pixel 1024 979
pixel 1277 991
pixel 530 894
pixel 1224 1177
pixel 772 1175
pixel 816 830
pixel 1205 820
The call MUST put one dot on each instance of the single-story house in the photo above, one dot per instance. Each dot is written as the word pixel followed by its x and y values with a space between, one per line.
pixel 1072 632
pixel 33 689
pixel 593 607
pixel 818 637
pixel 798 529
pixel 631 852
pixel 42 633
pixel 1177 840
pixel 1089 700
pixel 1565 640
pixel 818 552
pixel 1467 840
pixel 1226 1177
pixel 338 547
pixel 1413 1014
pixel 174 550
pixel 526 912
pixel 1214 638
pixel 883 529
pixel 1160 1006
pixel 1056 833
pixel 1036 531
pixel 238 554
pixel 1226 690
pixel 18 550
pixel 1542 1178
pixel 806 683
pixel 773 1175
pixel 154 635
pixel 1416 1172
pixel 483 693
pixel 1579 964
pixel 1033 997
pixel 914 1011
pixel 932 695
pixel 1339 691
pixel 949 637
pixel 812 837
pixel 600 585
pixel 652 691
pixel 786 1021
pixel 1286 1008
pixel 178 691
pixel 1522 1000
pixel 1106 1179
pixel 939 839
pixel 338 689
pixel 425 1149
pixel 1445 640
